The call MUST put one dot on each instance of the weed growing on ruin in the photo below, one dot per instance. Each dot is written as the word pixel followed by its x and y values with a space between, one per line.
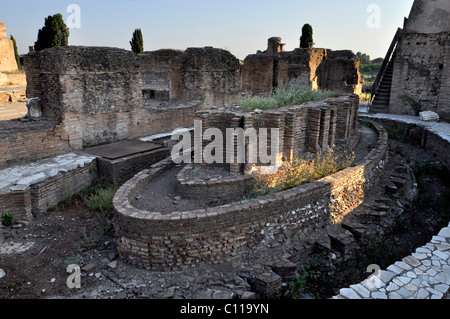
pixel 258 102
pixel 89 240
pixel 366 122
pixel 299 171
pixel 73 260
pixel 285 96
pixel 7 219
pixel 99 200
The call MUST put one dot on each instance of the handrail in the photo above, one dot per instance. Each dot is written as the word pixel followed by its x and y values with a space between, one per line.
pixel 386 61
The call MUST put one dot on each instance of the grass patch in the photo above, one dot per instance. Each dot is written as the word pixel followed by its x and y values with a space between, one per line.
pixel 365 98
pixel 7 219
pixel 99 200
pixel 285 96
pixel 299 171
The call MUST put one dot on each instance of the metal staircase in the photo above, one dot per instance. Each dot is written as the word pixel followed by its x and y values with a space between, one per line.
pixel 381 90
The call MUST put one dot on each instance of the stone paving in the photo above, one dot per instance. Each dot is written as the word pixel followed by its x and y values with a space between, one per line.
pixel 425 274
pixel 32 173
pixel 440 128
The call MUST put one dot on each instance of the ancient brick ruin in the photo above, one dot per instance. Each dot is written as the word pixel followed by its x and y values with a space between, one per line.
pixel 309 128
pixel 7 57
pixel 315 68
pixel 101 114
pixel 416 73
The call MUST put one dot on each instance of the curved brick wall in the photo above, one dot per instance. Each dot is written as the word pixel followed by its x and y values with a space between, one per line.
pixel 232 186
pixel 184 239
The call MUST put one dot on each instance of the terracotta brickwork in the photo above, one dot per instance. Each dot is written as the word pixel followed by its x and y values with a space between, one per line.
pixel 22 142
pixel 310 127
pixel 314 68
pixel 7 58
pixel 185 239
pixel 421 73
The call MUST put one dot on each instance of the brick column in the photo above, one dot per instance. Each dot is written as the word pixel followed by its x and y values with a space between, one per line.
pixel 313 130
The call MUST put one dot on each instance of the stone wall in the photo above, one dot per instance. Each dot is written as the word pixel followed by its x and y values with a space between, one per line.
pixel 156 72
pixel 257 74
pixel 315 68
pixel 303 67
pixel 24 142
pixel 429 17
pixel 103 95
pixel 310 127
pixel 185 239
pixel 340 72
pixel 207 74
pixel 421 75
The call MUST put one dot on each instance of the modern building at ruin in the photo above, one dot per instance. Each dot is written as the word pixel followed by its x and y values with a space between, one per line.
pixel 415 76
pixel 7 58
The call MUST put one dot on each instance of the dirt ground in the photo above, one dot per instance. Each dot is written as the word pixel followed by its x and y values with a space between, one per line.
pixel 12 110
pixel 72 234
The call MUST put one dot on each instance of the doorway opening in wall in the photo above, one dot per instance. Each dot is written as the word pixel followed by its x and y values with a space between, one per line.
pixel 148 94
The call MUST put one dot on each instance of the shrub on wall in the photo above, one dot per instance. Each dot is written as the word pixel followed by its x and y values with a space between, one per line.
pixel 306 40
pixel 137 42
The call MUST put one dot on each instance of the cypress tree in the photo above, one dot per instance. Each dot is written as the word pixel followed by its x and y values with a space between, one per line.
pixel 307 36
pixel 54 33
pixel 16 53
pixel 137 42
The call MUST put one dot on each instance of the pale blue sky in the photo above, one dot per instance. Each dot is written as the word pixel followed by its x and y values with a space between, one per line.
pixel 242 27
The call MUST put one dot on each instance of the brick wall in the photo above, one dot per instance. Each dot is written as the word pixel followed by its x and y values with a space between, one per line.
pixel 49 193
pixel 26 201
pixel 314 68
pixel 228 187
pixel 17 202
pixel 21 142
pixel 420 69
pixel 184 239
pixel 310 127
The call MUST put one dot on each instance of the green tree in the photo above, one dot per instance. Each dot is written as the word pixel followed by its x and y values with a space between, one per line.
pixel 54 33
pixel 16 53
pixel 307 36
pixel 137 42
pixel 364 58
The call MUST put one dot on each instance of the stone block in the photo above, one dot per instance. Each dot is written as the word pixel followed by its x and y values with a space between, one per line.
pixel 34 108
pixel 267 284
pixel 341 239
pixel 429 116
